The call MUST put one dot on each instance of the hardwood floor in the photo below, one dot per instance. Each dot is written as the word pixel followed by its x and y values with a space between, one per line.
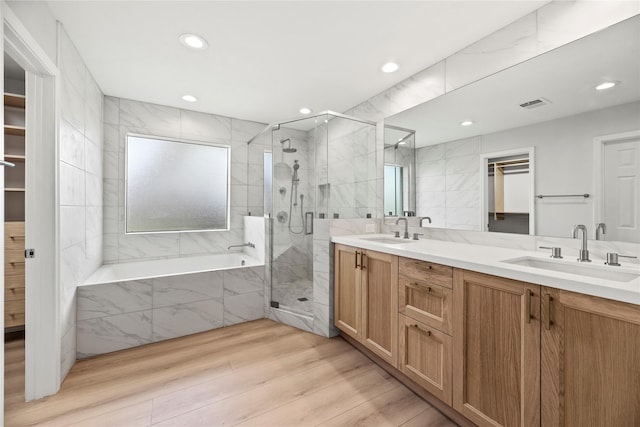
pixel 259 373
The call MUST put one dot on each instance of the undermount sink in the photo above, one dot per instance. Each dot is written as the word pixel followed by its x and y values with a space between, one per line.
pixel 388 240
pixel 590 270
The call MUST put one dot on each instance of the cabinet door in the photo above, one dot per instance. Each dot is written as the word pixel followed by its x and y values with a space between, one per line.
pixel 496 350
pixel 590 361
pixel 380 305
pixel 424 355
pixel 347 291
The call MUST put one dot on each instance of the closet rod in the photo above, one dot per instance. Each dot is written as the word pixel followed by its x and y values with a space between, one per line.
pixel 586 195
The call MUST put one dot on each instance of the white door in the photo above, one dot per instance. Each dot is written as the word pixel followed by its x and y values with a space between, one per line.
pixel 621 192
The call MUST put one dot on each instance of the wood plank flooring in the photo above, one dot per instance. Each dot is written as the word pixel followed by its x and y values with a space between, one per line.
pixel 259 373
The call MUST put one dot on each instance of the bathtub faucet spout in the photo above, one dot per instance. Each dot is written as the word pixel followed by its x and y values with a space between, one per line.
pixel 251 245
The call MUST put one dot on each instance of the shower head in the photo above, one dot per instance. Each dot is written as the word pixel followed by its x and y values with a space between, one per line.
pixel 288 149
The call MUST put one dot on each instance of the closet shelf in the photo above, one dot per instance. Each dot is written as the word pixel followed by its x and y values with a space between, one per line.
pixel 15 157
pixel 14 189
pixel 14 130
pixel 14 100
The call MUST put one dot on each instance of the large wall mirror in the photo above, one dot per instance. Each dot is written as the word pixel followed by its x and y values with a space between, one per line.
pixel 574 145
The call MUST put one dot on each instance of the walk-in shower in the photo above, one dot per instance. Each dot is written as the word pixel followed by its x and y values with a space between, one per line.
pixel 322 167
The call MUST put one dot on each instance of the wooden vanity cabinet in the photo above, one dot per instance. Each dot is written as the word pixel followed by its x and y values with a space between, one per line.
pixel 425 293
pixel 496 350
pixel 365 299
pixel 347 304
pixel 590 361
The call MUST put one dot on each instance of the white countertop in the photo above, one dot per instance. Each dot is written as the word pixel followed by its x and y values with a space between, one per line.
pixel 487 259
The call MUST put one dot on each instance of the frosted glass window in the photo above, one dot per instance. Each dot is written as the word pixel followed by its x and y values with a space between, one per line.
pixel 175 186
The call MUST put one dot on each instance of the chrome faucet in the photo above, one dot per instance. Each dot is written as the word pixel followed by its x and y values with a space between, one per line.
pixel 601 229
pixel 406 226
pixel 584 253
pixel 423 218
pixel 251 245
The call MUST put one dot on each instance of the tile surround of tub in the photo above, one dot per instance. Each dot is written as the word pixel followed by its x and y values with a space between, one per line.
pixel 166 307
pixel 124 116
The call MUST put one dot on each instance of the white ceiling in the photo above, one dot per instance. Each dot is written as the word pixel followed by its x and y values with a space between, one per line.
pixel 267 59
pixel 566 77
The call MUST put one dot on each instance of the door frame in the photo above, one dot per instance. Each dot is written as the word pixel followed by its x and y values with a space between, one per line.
pixel 42 295
pixel 484 185
pixel 599 144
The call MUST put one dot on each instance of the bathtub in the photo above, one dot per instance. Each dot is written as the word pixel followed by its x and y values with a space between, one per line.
pixel 139 270
pixel 131 304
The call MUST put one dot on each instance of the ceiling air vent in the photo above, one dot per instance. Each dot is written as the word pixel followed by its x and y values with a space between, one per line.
pixel 535 103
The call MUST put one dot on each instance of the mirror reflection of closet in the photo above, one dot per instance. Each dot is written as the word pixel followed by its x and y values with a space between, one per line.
pixel 508 192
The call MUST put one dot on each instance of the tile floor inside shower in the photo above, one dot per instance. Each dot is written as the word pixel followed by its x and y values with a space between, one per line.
pixel 295 296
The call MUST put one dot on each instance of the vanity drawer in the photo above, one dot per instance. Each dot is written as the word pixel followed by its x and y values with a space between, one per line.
pixel 14 262
pixel 13 288
pixel 425 356
pixel 425 302
pixel 432 274
pixel 13 313
pixel 14 235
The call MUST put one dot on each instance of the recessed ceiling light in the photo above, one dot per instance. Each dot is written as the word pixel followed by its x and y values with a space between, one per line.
pixel 390 67
pixel 466 123
pixel 305 110
pixel 193 41
pixel 606 85
pixel 189 98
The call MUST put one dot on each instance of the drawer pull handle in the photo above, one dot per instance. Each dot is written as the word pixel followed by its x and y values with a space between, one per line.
pixel 421 266
pixel 421 330
pixel 16 236
pixel 427 289
pixel 16 262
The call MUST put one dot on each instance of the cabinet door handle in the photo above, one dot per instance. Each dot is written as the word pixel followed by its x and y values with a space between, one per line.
pixel 356 260
pixel 16 262
pixel 528 294
pixel 421 330
pixel 362 259
pixel 16 236
pixel 547 309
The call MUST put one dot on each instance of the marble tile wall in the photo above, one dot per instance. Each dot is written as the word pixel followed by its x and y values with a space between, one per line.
pixel 115 316
pixel 122 116
pixel 80 171
pixel 448 184
pixel 551 26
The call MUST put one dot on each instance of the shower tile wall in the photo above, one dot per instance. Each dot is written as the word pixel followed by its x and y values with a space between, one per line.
pixel 80 169
pixel 352 170
pixel 122 116
pixel 292 249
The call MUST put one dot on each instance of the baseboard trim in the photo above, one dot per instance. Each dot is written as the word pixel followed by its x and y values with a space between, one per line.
pixel 445 409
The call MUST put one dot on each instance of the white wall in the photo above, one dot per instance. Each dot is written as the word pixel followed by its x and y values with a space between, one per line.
pixel 122 116
pixel 80 139
pixel 37 18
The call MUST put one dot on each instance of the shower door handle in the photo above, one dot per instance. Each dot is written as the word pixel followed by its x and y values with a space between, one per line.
pixel 308 220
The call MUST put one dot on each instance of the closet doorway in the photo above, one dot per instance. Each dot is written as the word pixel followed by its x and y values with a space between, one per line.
pixel 14 226
pixel 41 295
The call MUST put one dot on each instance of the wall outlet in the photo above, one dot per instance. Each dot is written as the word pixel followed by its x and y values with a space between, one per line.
pixel 370 228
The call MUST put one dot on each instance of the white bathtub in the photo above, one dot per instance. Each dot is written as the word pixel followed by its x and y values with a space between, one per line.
pixel 124 272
